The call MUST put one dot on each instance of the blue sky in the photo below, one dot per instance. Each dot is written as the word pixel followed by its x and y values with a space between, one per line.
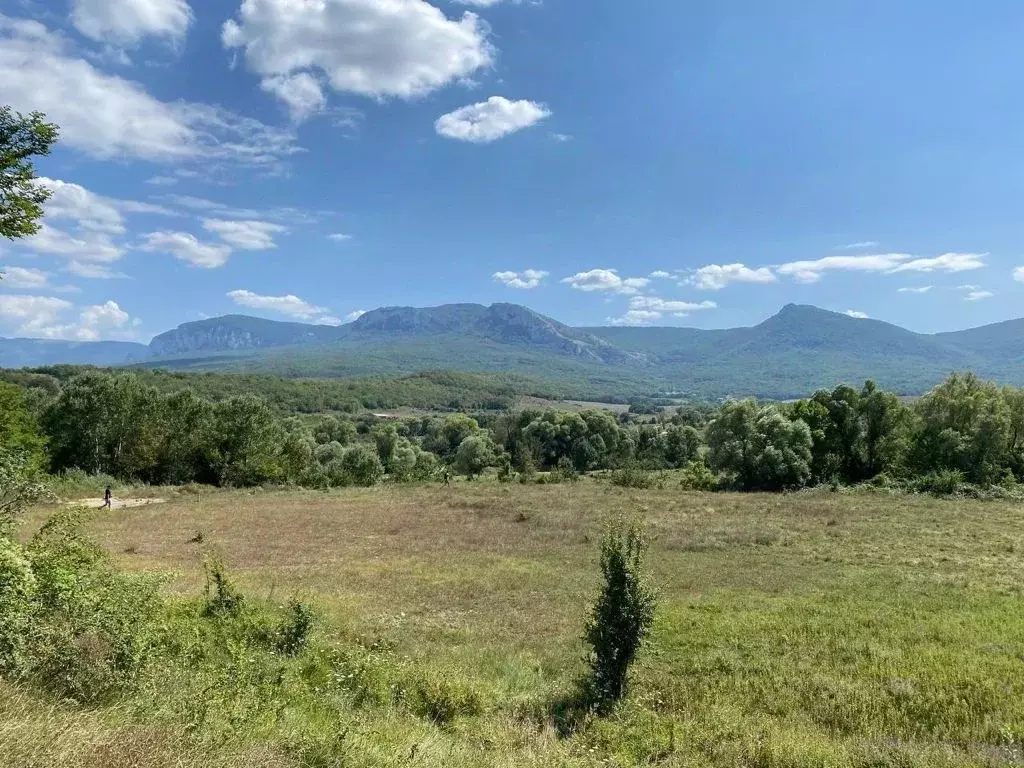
pixel 653 162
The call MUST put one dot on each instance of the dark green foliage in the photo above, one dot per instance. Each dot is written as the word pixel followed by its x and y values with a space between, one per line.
pixel 622 615
pixel 70 622
pixel 631 476
pixel 21 198
pixel 292 634
pixel 222 598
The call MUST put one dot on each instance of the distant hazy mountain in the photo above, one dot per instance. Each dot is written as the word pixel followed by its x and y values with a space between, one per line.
pixel 790 354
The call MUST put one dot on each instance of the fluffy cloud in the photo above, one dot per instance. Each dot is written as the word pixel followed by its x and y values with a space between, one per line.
pixel 715 277
pixel 490 120
pixel 44 317
pixel 636 317
pixel 301 94
pixel 947 262
pixel 1018 274
pixel 855 246
pixel 660 274
pixel 187 247
pixel 290 306
pixel 245 235
pixel 93 271
pixel 812 271
pixel 921 289
pixel 525 280
pixel 680 308
pixel 339 237
pixel 889 263
pixel 109 117
pixel 91 211
pixel 857 314
pixel 351 317
pixel 24 278
pixel 32 313
pixel 376 48
pixel 978 295
pixel 89 224
pixel 83 246
pixel 606 281
pixel 125 22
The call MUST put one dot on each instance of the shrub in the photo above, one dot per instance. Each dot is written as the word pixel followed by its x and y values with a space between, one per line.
pixel 293 633
pixel 631 476
pixel 944 482
pixel 17 590
pixel 697 476
pixel 564 472
pixel 93 628
pixel 222 598
pixel 622 615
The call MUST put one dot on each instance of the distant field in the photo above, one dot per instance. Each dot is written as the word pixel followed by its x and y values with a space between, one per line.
pixel 570 405
pixel 812 629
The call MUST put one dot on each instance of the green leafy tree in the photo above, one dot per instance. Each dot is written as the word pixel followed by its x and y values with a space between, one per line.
pixel 247 442
pixel 759 448
pixel 963 424
pixel 476 453
pixel 19 429
pixel 361 466
pixel 21 197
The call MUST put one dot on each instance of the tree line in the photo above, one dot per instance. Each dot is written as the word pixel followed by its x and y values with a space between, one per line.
pixel 115 423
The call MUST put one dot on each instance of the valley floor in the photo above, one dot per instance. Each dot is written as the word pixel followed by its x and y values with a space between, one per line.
pixel 808 629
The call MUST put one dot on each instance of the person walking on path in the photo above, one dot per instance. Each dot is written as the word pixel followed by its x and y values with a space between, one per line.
pixel 107 498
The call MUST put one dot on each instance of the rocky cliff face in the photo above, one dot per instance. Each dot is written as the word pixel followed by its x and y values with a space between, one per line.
pixel 238 332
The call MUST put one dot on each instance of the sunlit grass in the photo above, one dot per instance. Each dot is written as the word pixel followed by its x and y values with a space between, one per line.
pixel 811 629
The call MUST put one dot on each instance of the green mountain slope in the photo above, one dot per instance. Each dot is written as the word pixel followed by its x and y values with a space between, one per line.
pixel 789 355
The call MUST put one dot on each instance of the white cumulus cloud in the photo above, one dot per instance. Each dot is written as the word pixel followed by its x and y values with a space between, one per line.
pixel 93 271
pixel 375 48
pixel 125 22
pixel 354 315
pixel 715 277
pixel 636 317
pixel 606 281
pixel 47 317
pixel 947 262
pixel 1018 274
pixel 339 237
pixel 187 247
pixel 812 271
pixel 289 306
pixel 920 289
pixel 857 314
pixel 525 280
pixel 490 120
pixel 978 295
pixel 245 235
pixel 680 308
pixel 24 278
pixel 301 93
pixel 110 117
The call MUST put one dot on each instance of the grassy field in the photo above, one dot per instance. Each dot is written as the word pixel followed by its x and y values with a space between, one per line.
pixel 811 629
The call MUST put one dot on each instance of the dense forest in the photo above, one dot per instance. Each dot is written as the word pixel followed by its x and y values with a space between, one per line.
pixel 160 428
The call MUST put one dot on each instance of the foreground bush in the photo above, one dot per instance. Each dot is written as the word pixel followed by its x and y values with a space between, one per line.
pixel 69 622
pixel 622 615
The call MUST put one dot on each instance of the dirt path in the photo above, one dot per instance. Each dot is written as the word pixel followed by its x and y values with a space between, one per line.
pixel 115 503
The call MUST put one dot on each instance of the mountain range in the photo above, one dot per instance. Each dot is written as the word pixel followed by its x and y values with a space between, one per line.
pixel 790 354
